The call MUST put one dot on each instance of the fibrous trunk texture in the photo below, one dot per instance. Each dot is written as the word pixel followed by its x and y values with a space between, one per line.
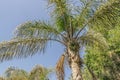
pixel 75 64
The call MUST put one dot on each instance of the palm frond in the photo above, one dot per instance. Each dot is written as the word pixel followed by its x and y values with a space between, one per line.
pixel 106 16
pixel 39 72
pixel 60 13
pixel 19 48
pixel 92 73
pixel 60 68
pixel 36 29
pixel 83 13
pixel 39 68
pixel 94 38
pixel 13 72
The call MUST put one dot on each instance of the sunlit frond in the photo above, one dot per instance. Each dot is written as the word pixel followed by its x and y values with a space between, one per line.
pixel 94 38
pixel 106 16
pixel 39 72
pixel 60 68
pixel 21 48
pixel 15 72
pixel 37 29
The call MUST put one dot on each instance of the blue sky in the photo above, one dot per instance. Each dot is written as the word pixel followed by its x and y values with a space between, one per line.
pixel 15 12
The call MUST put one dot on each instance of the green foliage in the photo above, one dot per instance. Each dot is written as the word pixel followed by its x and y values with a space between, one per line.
pixel 95 60
pixel 106 17
pixel 74 46
pixel 67 27
pixel 36 29
pixel 23 47
pixel 33 36
pixel 93 38
pixel 13 73
pixel 37 73
pixel 86 74
pixel 105 64
pixel 61 13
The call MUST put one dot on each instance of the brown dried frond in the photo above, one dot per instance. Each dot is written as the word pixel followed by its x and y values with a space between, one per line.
pixel 60 68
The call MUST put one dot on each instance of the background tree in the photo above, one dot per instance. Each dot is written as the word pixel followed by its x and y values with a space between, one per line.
pixel 69 27
pixel 39 73
pixel 13 73
pixel 105 64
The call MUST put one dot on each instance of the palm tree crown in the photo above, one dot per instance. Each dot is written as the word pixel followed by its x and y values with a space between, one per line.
pixel 37 73
pixel 13 73
pixel 72 26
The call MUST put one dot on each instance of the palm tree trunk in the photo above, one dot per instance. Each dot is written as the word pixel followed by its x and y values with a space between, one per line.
pixel 75 64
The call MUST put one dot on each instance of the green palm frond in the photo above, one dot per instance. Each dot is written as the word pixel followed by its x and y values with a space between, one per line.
pixel 39 72
pixel 60 13
pixel 13 70
pixel 18 48
pixel 16 74
pixel 101 18
pixel 60 68
pixel 9 71
pixel 83 13
pixel 36 29
pixel 106 16
pixel 94 38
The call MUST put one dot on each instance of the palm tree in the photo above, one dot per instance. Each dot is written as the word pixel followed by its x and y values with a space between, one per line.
pixel 105 65
pixel 39 73
pixel 72 25
pixel 13 73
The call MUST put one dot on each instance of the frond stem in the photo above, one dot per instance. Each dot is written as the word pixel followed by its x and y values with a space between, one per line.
pixel 80 31
pixel 57 41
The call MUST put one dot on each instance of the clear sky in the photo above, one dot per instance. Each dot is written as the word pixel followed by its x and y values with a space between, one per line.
pixel 15 12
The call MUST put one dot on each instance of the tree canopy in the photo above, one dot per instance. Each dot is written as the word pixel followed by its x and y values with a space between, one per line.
pixel 86 24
